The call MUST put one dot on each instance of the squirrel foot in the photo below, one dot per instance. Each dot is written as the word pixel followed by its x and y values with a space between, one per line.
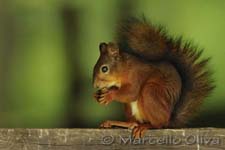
pixel 139 131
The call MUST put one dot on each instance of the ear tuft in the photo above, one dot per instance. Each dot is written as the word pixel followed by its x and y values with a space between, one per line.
pixel 102 47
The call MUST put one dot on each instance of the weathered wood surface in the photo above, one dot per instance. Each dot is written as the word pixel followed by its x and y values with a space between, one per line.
pixel 96 139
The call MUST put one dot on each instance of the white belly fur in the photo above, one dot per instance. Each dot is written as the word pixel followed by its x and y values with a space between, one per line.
pixel 135 111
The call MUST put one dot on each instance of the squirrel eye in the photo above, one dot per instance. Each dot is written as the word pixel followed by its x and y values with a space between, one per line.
pixel 104 69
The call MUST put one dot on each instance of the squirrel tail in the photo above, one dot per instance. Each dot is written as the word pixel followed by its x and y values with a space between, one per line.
pixel 142 39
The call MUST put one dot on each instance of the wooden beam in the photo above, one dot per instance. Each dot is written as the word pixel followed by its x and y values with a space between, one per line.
pixel 107 139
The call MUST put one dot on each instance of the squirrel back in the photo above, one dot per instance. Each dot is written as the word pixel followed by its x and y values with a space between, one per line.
pixel 140 38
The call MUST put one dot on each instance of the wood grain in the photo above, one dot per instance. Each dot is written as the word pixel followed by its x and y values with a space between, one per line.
pixel 107 139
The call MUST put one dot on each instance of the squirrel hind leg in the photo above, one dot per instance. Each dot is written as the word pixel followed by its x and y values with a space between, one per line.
pixel 110 124
pixel 138 130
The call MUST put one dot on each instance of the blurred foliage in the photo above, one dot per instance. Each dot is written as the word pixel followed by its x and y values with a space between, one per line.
pixel 48 50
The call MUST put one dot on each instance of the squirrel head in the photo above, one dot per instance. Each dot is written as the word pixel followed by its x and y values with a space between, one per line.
pixel 106 73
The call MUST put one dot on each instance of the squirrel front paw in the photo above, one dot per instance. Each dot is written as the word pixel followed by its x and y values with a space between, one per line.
pixel 103 96
pixel 106 124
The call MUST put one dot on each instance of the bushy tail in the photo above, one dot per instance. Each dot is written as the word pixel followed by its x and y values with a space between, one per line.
pixel 152 43
pixel 196 80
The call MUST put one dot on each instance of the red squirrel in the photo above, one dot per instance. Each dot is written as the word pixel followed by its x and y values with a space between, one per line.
pixel 160 79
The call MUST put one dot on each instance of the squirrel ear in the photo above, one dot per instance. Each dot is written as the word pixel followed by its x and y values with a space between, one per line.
pixel 102 47
pixel 113 49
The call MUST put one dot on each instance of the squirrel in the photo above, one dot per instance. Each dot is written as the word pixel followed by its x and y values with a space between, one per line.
pixel 161 80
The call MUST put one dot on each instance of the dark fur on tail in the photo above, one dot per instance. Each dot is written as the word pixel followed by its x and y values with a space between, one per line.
pixel 143 39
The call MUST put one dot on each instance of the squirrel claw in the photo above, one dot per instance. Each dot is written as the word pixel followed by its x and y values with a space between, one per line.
pixel 105 124
pixel 139 131
pixel 100 96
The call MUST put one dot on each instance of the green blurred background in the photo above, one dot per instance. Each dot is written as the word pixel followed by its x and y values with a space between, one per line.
pixel 48 49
